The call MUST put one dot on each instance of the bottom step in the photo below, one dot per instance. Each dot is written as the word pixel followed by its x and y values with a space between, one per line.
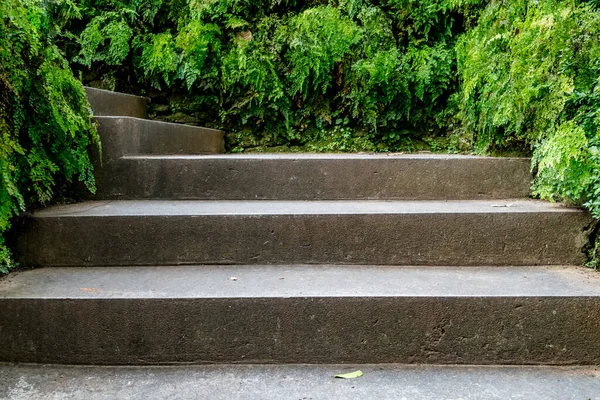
pixel 297 382
pixel 301 314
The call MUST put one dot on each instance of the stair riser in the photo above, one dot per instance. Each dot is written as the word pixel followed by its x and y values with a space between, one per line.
pixel 311 179
pixel 126 136
pixel 109 103
pixel 397 239
pixel 493 330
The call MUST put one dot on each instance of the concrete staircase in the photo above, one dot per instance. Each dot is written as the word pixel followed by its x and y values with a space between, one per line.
pixel 189 256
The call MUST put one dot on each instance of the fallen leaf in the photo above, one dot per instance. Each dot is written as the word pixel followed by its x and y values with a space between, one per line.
pixel 350 375
pixel 90 290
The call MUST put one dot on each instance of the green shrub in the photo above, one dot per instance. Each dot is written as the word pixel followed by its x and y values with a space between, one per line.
pixel 45 126
pixel 530 75
pixel 275 72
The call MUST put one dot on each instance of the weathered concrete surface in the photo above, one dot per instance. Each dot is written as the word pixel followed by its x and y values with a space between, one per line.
pixel 315 176
pixel 214 281
pixel 301 314
pixel 277 382
pixel 105 102
pixel 519 232
pixel 126 136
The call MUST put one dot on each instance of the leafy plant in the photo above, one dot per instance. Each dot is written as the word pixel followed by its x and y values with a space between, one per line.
pixel 530 75
pixel 45 126
pixel 281 69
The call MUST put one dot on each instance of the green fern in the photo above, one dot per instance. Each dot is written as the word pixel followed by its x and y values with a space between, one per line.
pixel 45 125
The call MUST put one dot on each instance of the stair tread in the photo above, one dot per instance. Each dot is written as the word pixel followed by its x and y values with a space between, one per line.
pixel 299 281
pixel 114 93
pixel 329 156
pixel 297 207
pixel 164 124
pixel 232 382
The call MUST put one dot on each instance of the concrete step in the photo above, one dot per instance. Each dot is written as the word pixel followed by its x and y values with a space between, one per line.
pixel 301 314
pixel 133 136
pixel 277 382
pixel 151 232
pixel 314 177
pixel 105 102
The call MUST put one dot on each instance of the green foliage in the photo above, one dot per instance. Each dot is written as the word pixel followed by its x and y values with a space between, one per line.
pixel 158 58
pixel 45 126
pixel 197 42
pixel 282 69
pixel 106 38
pixel 317 39
pixel 530 77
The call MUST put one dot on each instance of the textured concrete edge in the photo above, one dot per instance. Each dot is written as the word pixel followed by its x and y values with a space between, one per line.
pixel 411 239
pixel 273 281
pixel 107 103
pixel 116 94
pixel 302 208
pixel 121 136
pixel 593 370
pixel 390 178
pixel 150 122
pixel 512 331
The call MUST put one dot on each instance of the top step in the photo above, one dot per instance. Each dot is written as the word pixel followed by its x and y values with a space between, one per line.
pixel 310 176
pixel 107 103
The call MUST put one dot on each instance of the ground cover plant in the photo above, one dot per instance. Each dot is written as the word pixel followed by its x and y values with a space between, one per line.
pixel 343 75
pixel 45 126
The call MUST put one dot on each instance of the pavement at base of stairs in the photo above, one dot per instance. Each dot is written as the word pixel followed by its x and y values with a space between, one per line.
pixel 298 382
